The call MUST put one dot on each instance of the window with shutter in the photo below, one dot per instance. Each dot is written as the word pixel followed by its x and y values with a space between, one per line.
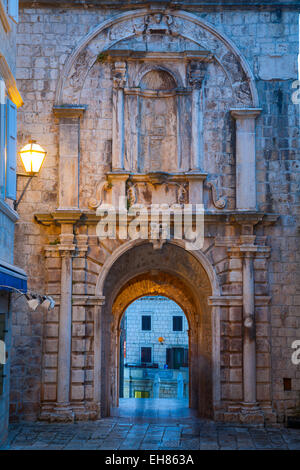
pixel 2 138
pixel 146 322
pixel 13 9
pixel 146 354
pixel 177 323
pixel 11 148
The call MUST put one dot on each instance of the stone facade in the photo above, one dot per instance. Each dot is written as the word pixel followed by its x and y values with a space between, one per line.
pixel 161 311
pixel 160 105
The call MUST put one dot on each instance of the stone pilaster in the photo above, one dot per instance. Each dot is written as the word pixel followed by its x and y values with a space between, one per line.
pixel 69 154
pixel 119 80
pixel 196 79
pixel 245 157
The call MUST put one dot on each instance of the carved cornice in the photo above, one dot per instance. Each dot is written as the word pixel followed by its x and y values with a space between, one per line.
pixel 203 5
pixel 88 217
pixel 157 94
pixel 69 110
pixel 245 113
pixel 65 216
pixel 133 55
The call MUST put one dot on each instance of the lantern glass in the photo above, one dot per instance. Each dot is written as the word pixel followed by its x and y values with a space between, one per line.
pixel 32 156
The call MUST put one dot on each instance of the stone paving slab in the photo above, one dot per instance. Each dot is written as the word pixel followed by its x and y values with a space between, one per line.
pixel 117 434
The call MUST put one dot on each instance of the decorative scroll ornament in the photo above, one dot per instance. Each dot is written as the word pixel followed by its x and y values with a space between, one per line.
pixel 158 24
pixel 102 188
pixel 219 202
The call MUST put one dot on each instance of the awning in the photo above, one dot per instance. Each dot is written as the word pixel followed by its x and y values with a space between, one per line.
pixel 12 277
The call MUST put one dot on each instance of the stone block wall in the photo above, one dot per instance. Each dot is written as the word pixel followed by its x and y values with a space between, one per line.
pixel 161 311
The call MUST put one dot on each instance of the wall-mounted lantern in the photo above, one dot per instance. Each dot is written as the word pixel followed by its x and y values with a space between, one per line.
pixel 32 156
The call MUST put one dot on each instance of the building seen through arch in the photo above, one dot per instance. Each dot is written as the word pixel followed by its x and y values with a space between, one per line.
pixel 154 350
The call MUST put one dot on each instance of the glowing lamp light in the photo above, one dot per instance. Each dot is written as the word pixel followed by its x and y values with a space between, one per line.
pixel 161 340
pixel 32 156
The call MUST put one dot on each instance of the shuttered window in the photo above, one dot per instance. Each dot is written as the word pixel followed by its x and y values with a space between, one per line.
pixel 146 322
pixel 146 354
pixel 177 323
pixel 2 138
pixel 11 148
pixel 13 9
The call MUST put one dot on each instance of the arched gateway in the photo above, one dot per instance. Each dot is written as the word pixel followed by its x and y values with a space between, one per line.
pixel 175 273
pixel 147 109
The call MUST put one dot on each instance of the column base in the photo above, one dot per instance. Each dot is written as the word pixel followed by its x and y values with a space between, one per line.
pixel 86 412
pixel 61 413
pixel 251 414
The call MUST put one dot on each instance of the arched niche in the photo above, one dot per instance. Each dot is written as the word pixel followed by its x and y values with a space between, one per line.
pixel 152 124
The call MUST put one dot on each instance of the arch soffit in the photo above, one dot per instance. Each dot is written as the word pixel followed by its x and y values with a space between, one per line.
pixel 142 285
pixel 86 53
pixel 200 257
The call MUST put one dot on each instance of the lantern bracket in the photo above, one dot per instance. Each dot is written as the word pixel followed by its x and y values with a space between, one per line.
pixel 29 176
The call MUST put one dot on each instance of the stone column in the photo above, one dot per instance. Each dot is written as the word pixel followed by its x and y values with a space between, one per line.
pixel 250 411
pixel 69 154
pixel 249 348
pixel 62 410
pixel 118 116
pixel 245 157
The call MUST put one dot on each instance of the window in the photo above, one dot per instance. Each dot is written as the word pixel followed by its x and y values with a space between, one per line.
pixel 8 141
pixel 2 138
pixel 287 384
pixel 146 354
pixel 146 322
pixel 177 323
pixel 177 357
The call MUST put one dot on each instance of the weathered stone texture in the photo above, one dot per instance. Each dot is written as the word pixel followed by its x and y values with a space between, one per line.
pixel 46 39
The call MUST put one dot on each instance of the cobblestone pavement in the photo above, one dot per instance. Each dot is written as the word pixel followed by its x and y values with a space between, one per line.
pixel 122 434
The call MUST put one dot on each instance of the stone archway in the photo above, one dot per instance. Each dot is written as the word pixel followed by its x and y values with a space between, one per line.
pixel 177 274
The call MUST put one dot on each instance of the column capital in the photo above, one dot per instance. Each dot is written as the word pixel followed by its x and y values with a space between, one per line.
pixel 245 113
pixel 119 75
pixel 66 251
